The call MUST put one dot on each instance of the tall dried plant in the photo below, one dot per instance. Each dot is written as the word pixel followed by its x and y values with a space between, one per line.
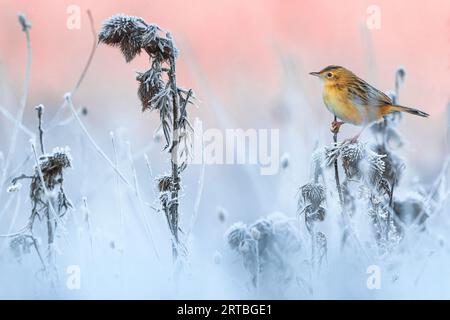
pixel 48 198
pixel 158 91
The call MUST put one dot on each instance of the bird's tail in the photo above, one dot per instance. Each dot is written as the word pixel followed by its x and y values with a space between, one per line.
pixel 416 112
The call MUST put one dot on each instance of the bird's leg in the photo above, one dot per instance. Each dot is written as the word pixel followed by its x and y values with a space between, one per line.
pixel 335 125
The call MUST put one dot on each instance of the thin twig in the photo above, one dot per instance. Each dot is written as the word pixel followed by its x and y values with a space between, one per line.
pixel 91 55
pixel 11 118
pixel 23 100
pixel 198 198
pixel 88 223
pixel 140 201
pixel 53 122
pixel 92 141
pixel 40 110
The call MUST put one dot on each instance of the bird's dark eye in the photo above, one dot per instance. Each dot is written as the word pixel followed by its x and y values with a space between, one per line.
pixel 329 75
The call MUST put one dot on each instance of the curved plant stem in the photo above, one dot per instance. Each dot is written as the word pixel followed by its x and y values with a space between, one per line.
pixel 336 171
pixel 53 122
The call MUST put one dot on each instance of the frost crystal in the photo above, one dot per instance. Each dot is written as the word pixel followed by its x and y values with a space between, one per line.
pixel 14 187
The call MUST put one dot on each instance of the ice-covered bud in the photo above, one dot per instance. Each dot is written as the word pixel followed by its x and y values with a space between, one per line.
pixel 222 214
pixel 14 187
pixel 285 160
pixel 313 193
pixel 24 21
pixel 39 108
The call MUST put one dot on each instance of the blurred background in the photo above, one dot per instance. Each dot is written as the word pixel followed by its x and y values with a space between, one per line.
pixel 245 54
pixel 248 63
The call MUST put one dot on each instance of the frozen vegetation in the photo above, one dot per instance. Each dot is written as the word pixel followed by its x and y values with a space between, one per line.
pixel 111 219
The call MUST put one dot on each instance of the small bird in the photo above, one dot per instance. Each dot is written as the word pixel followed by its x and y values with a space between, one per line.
pixel 353 100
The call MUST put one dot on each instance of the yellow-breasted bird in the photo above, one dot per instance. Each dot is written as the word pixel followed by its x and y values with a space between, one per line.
pixel 353 100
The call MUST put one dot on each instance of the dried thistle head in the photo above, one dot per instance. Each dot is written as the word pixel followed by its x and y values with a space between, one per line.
pixel 310 203
pixel 52 166
pixel 267 245
pixel 313 193
pixel 393 164
pixel 236 234
pixel 164 183
pixel 133 34
pixel 150 86
pixel 359 161
pixel 21 245
pixel 351 155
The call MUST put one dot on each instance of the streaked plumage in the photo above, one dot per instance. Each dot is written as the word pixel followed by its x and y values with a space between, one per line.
pixel 355 101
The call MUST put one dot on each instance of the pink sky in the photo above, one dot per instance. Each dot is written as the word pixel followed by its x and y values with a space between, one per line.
pixel 235 39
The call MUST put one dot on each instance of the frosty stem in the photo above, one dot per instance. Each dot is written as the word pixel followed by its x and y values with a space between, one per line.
pixel 40 110
pixel 175 187
pixel 336 171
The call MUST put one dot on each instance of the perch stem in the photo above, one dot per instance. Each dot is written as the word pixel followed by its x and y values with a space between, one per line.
pixel 336 171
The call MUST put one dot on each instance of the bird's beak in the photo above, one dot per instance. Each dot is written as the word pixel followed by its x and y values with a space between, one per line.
pixel 316 74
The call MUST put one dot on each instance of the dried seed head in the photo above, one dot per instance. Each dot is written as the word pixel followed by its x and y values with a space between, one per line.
pixel 164 183
pixel 39 108
pixel 400 73
pixel 222 214
pixel 56 161
pixel 14 187
pixel 24 21
pixel 285 160
pixel 236 234
pixel 21 245
pixel 132 34
pixel 150 86
pixel 52 166
pixel 313 193
pixel 126 32
pixel 393 164
pixel 351 155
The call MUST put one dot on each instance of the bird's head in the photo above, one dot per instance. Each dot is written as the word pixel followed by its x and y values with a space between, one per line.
pixel 332 74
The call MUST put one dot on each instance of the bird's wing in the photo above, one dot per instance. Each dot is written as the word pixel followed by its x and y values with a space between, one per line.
pixel 362 93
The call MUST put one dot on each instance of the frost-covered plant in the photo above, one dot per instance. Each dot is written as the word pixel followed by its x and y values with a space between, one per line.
pixel 158 90
pixel 266 247
pixel 311 204
pixel 388 142
pixel 388 139
pixel 48 198
pixel 365 186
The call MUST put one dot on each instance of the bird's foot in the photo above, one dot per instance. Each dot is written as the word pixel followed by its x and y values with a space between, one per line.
pixel 335 126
